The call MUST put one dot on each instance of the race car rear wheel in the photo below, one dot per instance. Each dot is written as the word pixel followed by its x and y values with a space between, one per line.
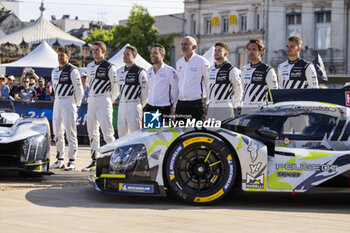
pixel 200 169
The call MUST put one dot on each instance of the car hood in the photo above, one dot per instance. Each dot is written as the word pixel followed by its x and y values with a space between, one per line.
pixel 139 136
pixel 12 134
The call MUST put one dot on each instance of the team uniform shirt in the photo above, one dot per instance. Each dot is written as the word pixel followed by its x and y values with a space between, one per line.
pixel 102 79
pixel 193 78
pixel 28 94
pixel 297 74
pixel 133 84
pixel 225 84
pixel 163 86
pixel 66 82
pixel 257 79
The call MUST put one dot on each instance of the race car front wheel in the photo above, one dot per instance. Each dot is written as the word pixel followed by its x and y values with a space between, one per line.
pixel 200 169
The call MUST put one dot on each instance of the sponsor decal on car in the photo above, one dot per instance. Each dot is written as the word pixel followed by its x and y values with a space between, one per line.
pixel 254 167
pixel 253 149
pixel 306 167
pixel 289 174
pixel 255 182
pixel 172 162
pixel 136 188
pixel 347 98
pixel 230 175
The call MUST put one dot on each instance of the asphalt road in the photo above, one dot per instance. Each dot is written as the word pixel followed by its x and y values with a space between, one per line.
pixel 67 202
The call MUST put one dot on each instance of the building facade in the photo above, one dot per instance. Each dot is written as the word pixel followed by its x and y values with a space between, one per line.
pixel 322 25
pixel 231 21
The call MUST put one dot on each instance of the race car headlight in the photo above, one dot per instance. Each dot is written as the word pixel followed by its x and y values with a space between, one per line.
pixel 33 148
pixel 129 159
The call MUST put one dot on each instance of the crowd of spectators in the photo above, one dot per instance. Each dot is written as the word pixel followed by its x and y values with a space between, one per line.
pixel 29 87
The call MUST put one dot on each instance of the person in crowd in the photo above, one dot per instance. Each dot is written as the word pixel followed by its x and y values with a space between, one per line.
pixel 133 84
pixel 193 81
pixel 296 72
pixel 257 77
pixel 4 89
pixel 47 94
pixel 24 92
pixel 224 84
pixel 68 95
pixel 162 83
pixel 40 90
pixel 83 77
pixel 103 83
pixel 12 85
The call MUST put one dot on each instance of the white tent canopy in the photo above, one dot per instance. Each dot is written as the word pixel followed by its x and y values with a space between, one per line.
pixel 42 59
pixel 117 60
pixel 41 30
pixel 209 55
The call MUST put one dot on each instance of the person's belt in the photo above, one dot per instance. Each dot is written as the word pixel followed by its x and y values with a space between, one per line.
pixel 129 101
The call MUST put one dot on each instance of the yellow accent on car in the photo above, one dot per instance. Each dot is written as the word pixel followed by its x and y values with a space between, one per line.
pixel 163 143
pixel 210 165
pixel 210 198
pixel 112 176
pixel 206 158
pixel 197 139
pixel 239 143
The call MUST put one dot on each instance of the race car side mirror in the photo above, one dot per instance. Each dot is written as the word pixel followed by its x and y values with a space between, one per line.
pixel 267 133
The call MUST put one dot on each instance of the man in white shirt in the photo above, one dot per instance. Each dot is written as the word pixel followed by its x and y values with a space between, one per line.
pixel 193 82
pixel 225 85
pixel 162 83
pixel 133 85
pixel 257 77
pixel 296 73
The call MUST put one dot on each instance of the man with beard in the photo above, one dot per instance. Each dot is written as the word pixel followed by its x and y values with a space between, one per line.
pixel 224 84
pixel 257 77
pixel 68 94
pixel 162 83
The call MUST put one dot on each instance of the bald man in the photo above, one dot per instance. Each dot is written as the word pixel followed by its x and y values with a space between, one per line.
pixel 193 82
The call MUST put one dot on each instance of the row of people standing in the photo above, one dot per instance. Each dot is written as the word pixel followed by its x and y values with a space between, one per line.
pixel 193 88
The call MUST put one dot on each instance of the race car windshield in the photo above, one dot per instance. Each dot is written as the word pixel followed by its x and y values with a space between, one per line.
pixel 315 125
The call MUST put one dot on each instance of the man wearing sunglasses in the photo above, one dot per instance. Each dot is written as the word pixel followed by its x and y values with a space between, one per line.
pixel 25 92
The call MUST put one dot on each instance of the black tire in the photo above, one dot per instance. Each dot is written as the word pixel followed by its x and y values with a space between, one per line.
pixel 200 169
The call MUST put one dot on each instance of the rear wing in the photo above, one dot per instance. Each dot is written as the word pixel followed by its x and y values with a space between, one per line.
pixel 333 96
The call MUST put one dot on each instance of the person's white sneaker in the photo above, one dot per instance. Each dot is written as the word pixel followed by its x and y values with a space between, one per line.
pixel 58 164
pixel 70 166
pixel 90 167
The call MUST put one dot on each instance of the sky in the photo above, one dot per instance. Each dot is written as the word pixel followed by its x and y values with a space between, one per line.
pixel 109 11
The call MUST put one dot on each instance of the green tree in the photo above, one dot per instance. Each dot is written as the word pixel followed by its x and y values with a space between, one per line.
pixel 138 31
pixel 99 35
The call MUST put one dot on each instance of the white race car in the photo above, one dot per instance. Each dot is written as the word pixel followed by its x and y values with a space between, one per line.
pixel 291 146
pixel 24 144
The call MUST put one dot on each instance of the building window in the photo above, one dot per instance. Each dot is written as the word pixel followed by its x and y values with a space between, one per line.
pixel 293 24
pixel 258 22
pixel 193 27
pixel 207 26
pixel 225 24
pixel 243 22
pixel 323 29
